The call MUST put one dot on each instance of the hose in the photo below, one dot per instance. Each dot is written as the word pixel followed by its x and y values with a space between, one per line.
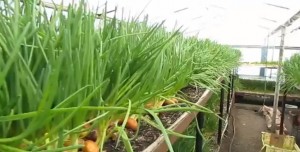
pixel 233 132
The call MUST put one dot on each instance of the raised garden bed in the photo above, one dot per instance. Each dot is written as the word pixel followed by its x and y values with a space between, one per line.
pixel 150 139
pixel 252 97
pixel 178 126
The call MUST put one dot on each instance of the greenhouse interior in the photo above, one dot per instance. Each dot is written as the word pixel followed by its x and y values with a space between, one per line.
pixel 149 76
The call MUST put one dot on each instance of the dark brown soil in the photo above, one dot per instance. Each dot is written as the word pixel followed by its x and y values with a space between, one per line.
pixel 148 134
pixel 192 93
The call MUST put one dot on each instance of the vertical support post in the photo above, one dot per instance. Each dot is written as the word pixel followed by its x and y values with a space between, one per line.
pixel 221 113
pixel 264 57
pixel 199 137
pixel 277 87
pixel 282 112
pixel 228 94
pixel 232 83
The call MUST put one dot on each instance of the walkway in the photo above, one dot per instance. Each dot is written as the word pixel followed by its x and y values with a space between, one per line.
pixel 247 136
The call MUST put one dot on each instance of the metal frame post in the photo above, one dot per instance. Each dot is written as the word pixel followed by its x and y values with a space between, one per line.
pixel 228 94
pixel 199 137
pixel 282 112
pixel 232 83
pixel 277 87
pixel 221 113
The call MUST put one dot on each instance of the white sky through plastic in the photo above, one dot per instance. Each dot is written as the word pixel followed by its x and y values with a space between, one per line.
pixel 225 21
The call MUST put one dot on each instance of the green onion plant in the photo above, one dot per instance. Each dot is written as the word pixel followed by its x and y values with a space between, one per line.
pixel 61 71
pixel 291 72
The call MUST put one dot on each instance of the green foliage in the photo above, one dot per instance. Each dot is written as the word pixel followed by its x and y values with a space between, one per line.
pixel 58 73
pixel 259 86
pixel 291 70
pixel 209 130
pixel 254 85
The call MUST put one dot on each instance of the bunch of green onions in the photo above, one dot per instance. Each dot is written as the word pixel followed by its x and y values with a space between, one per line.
pixel 291 71
pixel 59 74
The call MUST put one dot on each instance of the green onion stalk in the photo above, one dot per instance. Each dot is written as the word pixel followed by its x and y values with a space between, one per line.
pixel 291 72
pixel 62 71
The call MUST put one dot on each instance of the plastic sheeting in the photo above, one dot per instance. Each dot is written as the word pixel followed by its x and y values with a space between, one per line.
pixel 226 21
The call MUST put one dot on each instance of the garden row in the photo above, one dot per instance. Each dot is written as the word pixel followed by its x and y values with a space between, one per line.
pixel 72 81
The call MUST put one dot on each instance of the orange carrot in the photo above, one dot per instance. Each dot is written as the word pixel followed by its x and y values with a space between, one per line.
pixel 90 146
pixel 130 124
pixel 170 101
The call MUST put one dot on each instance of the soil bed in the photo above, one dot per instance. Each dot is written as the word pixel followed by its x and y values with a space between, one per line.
pixel 192 93
pixel 148 134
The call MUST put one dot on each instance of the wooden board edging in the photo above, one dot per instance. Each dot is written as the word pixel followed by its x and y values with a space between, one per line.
pixel 179 126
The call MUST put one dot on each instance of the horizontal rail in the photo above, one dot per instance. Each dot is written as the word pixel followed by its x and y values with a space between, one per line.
pixel 261 46
pixel 259 65
pixel 252 93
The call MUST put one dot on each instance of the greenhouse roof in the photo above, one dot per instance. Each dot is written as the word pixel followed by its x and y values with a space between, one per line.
pixel 233 22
